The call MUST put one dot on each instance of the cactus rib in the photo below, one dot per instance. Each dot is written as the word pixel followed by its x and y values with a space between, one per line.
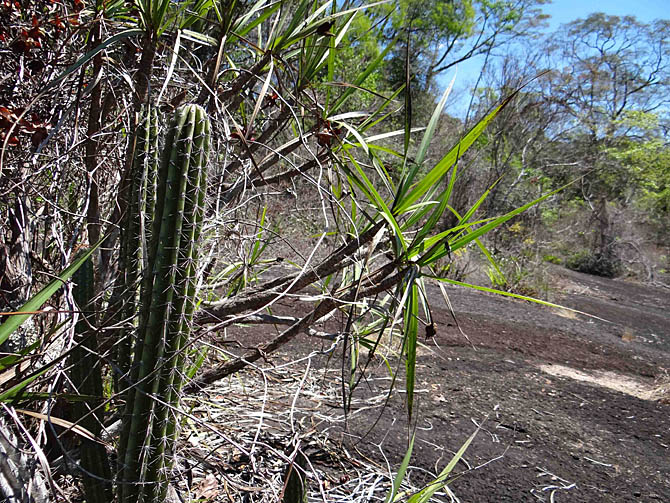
pixel 166 305
pixel 86 375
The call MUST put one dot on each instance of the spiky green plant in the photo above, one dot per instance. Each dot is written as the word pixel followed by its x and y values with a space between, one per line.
pixel 86 376
pixel 135 231
pixel 266 88
pixel 166 308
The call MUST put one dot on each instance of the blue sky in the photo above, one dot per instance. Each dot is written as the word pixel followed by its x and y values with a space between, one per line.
pixel 564 11
pixel 561 11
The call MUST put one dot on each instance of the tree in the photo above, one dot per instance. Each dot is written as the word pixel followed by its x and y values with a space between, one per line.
pixel 593 106
pixel 646 154
pixel 441 34
pixel 611 67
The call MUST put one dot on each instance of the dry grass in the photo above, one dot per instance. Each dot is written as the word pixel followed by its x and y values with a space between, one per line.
pixel 661 390
pixel 239 439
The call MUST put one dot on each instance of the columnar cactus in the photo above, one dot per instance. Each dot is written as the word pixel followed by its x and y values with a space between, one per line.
pixel 135 231
pixel 166 308
pixel 86 376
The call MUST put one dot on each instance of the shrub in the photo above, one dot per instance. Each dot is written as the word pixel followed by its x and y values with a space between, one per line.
pixel 597 264
pixel 552 259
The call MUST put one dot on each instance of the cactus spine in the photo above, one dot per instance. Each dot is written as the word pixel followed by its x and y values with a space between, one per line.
pixel 86 376
pixel 134 232
pixel 166 308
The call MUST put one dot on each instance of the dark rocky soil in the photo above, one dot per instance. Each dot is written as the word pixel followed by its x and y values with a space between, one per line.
pixel 588 441
pixel 571 407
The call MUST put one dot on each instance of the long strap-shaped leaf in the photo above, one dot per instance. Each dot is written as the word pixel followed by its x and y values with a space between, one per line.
pixel 410 336
pixel 391 496
pixel 471 236
pixel 425 495
pixel 37 300
pixel 404 201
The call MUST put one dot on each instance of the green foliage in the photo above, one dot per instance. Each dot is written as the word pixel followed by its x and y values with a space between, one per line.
pixel 433 20
pixel 552 259
pixel 14 388
pixel 592 107
pixel 590 262
pixel 618 72
pixel 411 212
pixel 277 76
pixel 36 301
pixel 361 45
pixel 646 156
pixel 444 33
pixel 425 494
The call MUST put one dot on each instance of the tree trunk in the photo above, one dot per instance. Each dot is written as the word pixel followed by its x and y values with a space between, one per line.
pixel 604 250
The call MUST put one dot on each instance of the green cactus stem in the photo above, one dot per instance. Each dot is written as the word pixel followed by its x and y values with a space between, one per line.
pixel 135 232
pixel 166 307
pixel 86 376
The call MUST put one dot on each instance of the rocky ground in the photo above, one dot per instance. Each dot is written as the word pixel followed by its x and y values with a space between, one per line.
pixel 568 407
